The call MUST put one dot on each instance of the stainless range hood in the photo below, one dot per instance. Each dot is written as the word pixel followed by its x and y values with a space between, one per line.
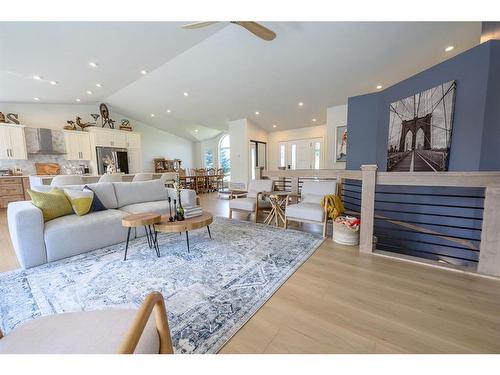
pixel 44 143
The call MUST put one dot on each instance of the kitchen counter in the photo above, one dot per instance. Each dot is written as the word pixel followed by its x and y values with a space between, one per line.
pixel 37 180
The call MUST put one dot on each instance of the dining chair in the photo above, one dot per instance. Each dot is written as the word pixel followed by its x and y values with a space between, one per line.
pixel 63 180
pixel 111 177
pixel 200 180
pixel 309 209
pixel 220 178
pixel 168 178
pixel 142 177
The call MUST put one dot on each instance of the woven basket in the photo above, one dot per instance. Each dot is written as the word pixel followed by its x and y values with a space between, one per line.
pixel 344 235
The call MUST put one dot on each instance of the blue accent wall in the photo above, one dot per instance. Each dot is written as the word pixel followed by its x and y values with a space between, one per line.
pixel 453 215
pixel 475 142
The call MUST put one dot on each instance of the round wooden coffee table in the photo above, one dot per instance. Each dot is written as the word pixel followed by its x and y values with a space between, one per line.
pixel 204 220
pixel 147 220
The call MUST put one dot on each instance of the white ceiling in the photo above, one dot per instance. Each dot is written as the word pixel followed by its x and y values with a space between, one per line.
pixel 228 73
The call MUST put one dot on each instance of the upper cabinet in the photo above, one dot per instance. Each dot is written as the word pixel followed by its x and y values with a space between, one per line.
pixel 77 145
pixel 133 140
pixel 115 138
pixel 12 142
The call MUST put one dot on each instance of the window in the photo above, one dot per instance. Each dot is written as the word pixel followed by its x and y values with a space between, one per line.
pixel 282 156
pixel 209 159
pixel 317 154
pixel 294 156
pixel 224 157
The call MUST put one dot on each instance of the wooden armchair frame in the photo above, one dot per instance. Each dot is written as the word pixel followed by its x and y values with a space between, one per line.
pixel 154 301
pixel 257 196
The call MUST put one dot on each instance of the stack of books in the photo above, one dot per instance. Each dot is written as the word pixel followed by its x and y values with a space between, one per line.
pixel 192 211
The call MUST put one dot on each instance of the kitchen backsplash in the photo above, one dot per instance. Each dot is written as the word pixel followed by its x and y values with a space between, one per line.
pixel 28 166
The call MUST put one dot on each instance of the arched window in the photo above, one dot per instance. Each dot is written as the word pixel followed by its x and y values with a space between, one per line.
pixel 209 159
pixel 224 159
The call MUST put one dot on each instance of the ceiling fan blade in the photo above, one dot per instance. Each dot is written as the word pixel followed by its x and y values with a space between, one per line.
pixel 197 25
pixel 257 29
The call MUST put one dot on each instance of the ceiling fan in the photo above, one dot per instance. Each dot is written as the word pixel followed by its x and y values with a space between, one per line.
pixel 254 27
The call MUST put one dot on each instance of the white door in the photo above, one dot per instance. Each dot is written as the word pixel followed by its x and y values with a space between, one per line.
pixel 17 143
pixel 303 153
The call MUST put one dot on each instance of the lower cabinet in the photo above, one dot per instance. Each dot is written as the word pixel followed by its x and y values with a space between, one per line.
pixel 13 189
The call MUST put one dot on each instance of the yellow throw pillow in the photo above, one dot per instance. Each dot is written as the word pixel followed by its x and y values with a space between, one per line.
pixel 81 201
pixel 53 204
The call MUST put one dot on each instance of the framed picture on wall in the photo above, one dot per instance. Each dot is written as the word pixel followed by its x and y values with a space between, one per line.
pixel 341 143
pixel 420 129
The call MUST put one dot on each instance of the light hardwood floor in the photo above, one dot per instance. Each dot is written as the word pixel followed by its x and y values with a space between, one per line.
pixel 343 302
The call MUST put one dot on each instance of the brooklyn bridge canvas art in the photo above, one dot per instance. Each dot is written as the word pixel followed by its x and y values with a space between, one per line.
pixel 420 129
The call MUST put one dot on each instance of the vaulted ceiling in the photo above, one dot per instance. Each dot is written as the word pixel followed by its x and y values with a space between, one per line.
pixel 227 72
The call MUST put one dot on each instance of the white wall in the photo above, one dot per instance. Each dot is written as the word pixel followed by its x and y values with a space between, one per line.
pixel 155 142
pixel 292 135
pixel 239 151
pixel 335 116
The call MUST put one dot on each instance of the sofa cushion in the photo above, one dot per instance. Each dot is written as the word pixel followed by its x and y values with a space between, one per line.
pixel 88 332
pixel 104 190
pixel 53 204
pixel 71 235
pixel 248 204
pixel 138 192
pixel 306 211
pixel 158 207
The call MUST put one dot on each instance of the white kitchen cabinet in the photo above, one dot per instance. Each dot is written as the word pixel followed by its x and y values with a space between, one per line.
pixel 13 142
pixel 133 140
pixel 134 160
pixel 112 138
pixel 77 145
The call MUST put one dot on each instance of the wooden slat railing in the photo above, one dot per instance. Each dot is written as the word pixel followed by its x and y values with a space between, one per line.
pixel 489 256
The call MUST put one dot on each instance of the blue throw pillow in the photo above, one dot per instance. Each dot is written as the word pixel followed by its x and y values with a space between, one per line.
pixel 96 202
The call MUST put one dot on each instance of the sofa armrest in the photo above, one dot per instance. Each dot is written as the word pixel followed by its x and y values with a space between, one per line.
pixel 26 227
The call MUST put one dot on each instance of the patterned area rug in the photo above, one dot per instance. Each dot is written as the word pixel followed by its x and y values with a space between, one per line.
pixel 210 292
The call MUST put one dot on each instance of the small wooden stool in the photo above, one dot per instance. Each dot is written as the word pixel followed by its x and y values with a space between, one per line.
pixel 147 220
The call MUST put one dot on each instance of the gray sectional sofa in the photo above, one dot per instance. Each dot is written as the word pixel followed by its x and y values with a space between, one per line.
pixel 36 242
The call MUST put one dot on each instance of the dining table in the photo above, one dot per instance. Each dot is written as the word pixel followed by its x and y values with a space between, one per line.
pixel 201 183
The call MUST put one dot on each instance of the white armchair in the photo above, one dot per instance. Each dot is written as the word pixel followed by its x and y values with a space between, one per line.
pixel 254 201
pixel 309 209
pixel 63 180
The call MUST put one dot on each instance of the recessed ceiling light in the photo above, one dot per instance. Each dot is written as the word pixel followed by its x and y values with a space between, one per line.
pixel 36 99
pixel 257 113
pixel 275 126
pixel 449 48
pixel 53 83
pixel 168 111
pixel 93 64
pixel 186 94
pixel 89 92
pixel 313 120
pixel 196 130
pixel 77 100
pixel 152 115
pixel 98 85
pixel 301 104
pixel 38 78
pixel 379 87
pixel 144 72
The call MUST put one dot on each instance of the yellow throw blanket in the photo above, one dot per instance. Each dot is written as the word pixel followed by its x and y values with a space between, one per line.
pixel 334 207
